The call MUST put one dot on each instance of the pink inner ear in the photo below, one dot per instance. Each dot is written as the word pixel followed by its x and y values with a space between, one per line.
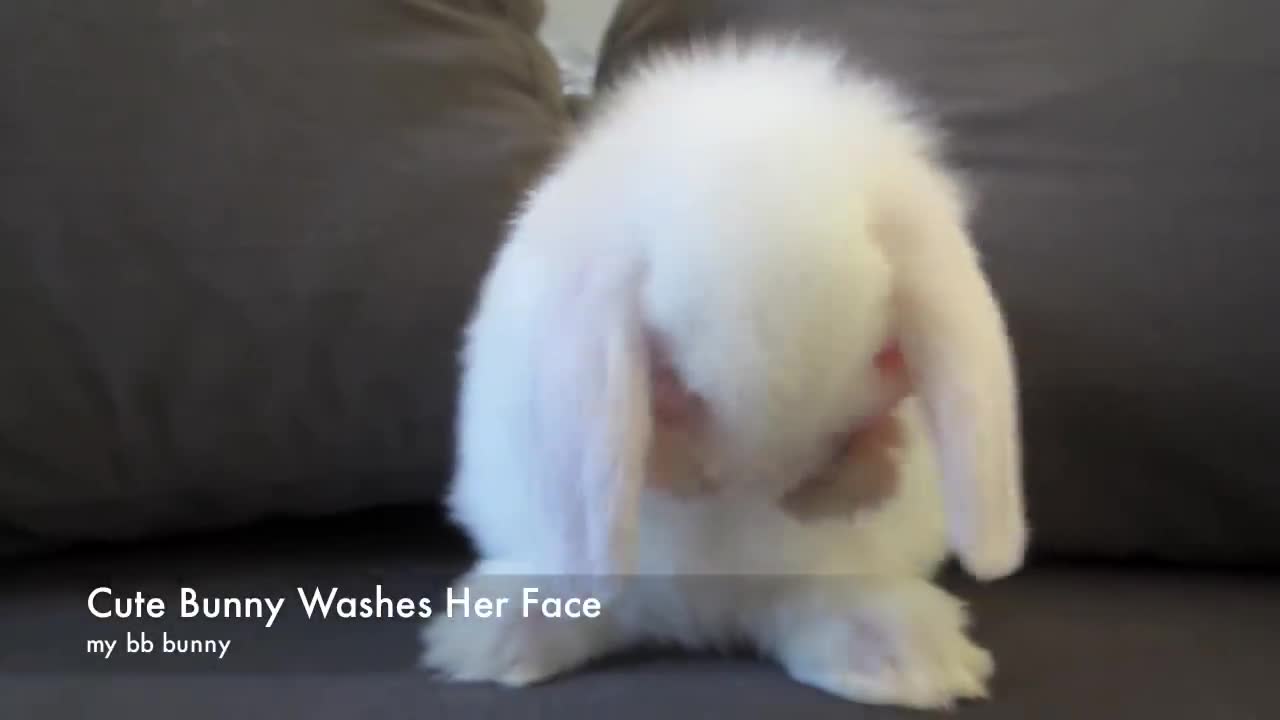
pixel 891 364
pixel 673 404
pixel 890 359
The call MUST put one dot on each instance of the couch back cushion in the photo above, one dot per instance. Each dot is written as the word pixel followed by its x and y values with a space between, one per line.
pixel 1127 170
pixel 237 243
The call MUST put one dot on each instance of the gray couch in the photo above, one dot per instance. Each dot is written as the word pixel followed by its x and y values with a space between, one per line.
pixel 238 240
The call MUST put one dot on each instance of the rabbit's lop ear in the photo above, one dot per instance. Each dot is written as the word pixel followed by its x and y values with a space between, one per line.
pixel 956 345
pixel 592 416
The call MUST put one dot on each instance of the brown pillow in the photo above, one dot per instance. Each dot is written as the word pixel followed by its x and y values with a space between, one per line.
pixel 1128 178
pixel 237 243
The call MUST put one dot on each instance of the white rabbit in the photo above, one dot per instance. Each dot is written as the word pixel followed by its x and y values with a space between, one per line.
pixel 688 327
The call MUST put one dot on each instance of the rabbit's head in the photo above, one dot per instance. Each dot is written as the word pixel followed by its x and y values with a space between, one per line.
pixel 741 261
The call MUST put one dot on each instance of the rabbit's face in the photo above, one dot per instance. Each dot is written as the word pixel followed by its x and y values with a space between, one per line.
pixel 695 453
pixel 762 379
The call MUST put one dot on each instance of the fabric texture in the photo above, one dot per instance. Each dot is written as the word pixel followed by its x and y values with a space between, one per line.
pixel 1070 643
pixel 237 243
pixel 1127 177
pixel 573 30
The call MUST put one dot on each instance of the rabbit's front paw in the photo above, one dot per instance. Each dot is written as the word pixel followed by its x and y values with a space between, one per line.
pixel 903 645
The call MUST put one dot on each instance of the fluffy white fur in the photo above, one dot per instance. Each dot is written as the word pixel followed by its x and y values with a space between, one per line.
pixel 762 220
